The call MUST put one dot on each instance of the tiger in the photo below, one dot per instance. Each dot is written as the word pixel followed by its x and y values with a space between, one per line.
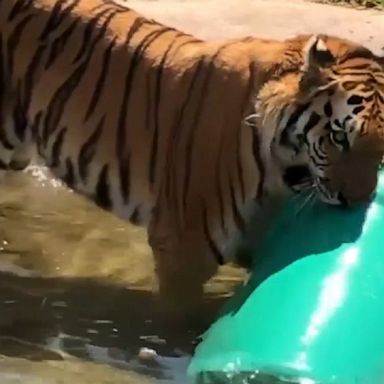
pixel 189 138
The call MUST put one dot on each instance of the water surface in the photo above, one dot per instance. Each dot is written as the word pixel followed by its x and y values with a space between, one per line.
pixel 76 297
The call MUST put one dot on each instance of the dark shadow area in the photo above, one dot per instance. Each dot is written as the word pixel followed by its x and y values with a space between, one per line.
pixel 294 235
pixel 42 317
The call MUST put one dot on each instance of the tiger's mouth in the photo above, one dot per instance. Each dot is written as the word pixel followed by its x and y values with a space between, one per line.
pixel 298 178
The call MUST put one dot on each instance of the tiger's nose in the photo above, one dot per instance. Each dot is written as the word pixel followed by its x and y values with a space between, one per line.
pixel 358 188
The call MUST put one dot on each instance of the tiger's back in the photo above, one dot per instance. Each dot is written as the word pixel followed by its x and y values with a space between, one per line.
pixel 106 92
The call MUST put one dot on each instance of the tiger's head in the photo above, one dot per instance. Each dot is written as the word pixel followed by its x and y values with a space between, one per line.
pixel 321 116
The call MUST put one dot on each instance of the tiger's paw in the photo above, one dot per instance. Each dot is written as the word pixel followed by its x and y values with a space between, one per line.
pixel 19 164
pixel 187 308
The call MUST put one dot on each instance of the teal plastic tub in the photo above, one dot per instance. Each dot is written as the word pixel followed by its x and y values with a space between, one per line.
pixel 313 309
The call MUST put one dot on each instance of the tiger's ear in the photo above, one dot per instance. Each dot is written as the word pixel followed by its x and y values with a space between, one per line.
pixel 317 56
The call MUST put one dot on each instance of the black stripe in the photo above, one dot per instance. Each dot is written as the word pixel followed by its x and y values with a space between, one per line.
pixel 358 52
pixel 35 126
pixel 14 40
pixel 158 86
pixel 100 83
pixel 125 177
pixel 69 176
pixel 318 164
pixel 358 109
pixel 148 114
pixel 121 133
pixel 328 110
pixel 312 121
pixel 368 86
pixel 358 70
pixel 212 245
pixel 135 62
pixel 135 217
pixel 278 71
pixel 337 122
pixel 58 12
pixel 137 24
pixel 359 74
pixel 103 198
pixel 57 147
pixel 281 113
pixel 64 93
pixel 190 139
pixel 349 85
pixel 19 7
pixel 88 150
pixel 285 139
pixel 218 188
pixel 20 121
pixel 59 44
pixel 247 98
pixel 90 28
pixel 318 152
pixel 380 97
pixel 256 150
pixel 239 165
pixel 370 97
pixel 355 100
pixel 297 114
pixel 239 222
pixel 122 8
pixel 177 125
pixel 4 140
pixel 30 73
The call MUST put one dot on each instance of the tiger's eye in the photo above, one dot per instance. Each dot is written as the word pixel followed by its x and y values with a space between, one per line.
pixel 340 139
pixel 339 136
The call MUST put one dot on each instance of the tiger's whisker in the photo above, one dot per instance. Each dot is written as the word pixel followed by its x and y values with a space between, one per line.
pixel 306 201
pixel 305 187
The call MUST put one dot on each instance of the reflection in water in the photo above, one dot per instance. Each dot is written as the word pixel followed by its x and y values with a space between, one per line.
pixel 75 293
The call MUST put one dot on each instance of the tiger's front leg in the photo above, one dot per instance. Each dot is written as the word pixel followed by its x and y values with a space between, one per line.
pixel 182 267
pixel 13 156
pixel 22 157
pixel 15 137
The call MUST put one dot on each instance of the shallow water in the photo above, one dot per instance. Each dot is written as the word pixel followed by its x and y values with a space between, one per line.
pixel 76 297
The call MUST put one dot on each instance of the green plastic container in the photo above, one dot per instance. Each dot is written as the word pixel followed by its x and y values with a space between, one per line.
pixel 313 310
